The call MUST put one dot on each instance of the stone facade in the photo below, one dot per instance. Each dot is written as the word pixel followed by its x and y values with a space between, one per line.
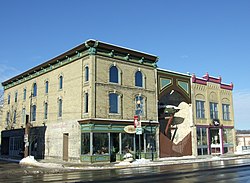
pixel 63 131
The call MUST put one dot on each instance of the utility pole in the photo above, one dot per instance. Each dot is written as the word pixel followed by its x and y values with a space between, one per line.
pixel 26 137
pixel 27 131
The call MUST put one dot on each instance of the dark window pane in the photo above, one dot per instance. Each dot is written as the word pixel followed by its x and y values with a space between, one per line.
pixel 138 79
pixel 113 74
pixel 113 103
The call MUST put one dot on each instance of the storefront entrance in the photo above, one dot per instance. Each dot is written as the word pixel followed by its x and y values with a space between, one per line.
pixel 215 141
pixel 114 144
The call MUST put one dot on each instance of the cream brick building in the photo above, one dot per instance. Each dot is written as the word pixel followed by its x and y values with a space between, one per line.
pixel 79 103
pixel 213 116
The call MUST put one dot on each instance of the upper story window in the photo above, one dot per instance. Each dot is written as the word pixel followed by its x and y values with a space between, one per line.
pixel 60 82
pixel 14 116
pixel 46 87
pixel 33 113
pixel 60 108
pixel 200 109
pixel 8 118
pixel 113 74
pixel 45 110
pixel 86 104
pixel 138 79
pixel 213 110
pixel 24 93
pixel 23 116
pixel 139 105
pixel 34 90
pixel 113 103
pixel 226 112
pixel 86 74
pixel 16 97
pixel 9 99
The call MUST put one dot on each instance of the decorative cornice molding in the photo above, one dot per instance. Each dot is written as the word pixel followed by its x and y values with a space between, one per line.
pixel 208 79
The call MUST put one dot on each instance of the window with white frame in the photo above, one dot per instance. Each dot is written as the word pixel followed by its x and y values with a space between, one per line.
pixel 46 87
pixel 113 74
pixel 86 74
pixel 24 93
pixel 113 103
pixel 139 105
pixel 16 96
pixel 213 110
pixel 86 103
pixel 226 112
pixel 138 79
pixel 34 90
pixel 33 113
pixel 200 109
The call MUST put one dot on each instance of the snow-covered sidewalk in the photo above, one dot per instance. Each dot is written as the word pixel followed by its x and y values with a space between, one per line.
pixel 64 166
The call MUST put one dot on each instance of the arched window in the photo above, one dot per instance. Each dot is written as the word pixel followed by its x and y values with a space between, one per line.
pixel 113 103
pixel 138 79
pixel 139 105
pixel 86 73
pixel 113 74
pixel 34 90
pixel 46 87
pixel 61 82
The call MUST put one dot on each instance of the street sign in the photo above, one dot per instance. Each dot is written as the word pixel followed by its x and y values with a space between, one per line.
pixel 138 131
pixel 137 122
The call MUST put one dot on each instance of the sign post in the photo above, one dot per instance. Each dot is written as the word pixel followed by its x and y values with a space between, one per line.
pixel 138 131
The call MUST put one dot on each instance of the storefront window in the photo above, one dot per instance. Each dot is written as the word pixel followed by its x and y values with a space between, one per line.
pixel 202 141
pixel 127 143
pixel 227 136
pixel 85 143
pixel 100 143
pixel 201 136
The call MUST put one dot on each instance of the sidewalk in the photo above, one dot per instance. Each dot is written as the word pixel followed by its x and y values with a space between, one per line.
pixel 70 166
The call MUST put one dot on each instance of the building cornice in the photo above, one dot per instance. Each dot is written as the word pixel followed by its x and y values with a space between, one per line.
pixel 89 47
pixel 206 78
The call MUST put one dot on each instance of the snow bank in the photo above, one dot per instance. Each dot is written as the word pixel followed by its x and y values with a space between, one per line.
pixel 30 161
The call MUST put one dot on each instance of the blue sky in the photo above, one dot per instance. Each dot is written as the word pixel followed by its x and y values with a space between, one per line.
pixel 195 36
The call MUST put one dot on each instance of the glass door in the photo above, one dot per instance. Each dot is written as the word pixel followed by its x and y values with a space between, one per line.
pixel 215 140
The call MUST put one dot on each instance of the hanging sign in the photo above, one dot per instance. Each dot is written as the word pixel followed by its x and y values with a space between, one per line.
pixel 129 129
pixel 216 122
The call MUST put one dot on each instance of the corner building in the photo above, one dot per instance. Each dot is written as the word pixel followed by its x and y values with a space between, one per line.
pixel 213 115
pixel 79 103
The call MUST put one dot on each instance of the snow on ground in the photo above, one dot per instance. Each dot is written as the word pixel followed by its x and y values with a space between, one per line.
pixel 30 161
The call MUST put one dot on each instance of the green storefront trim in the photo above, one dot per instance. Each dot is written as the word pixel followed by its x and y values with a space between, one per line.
pixel 112 128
